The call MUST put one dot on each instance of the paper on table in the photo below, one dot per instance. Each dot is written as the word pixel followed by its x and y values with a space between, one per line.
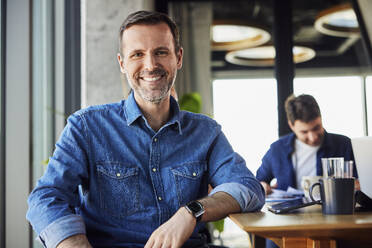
pixel 283 195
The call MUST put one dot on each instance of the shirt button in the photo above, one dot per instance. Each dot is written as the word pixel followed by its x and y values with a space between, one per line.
pixel 159 198
pixel 154 169
pixel 194 174
pixel 118 174
pixel 156 139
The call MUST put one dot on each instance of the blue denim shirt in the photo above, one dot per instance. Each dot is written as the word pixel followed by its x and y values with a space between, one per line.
pixel 277 162
pixel 116 180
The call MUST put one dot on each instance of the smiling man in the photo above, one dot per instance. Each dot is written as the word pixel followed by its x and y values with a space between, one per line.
pixel 299 153
pixel 136 173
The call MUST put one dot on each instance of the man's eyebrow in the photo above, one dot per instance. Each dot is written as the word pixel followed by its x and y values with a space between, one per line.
pixel 135 51
pixel 317 126
pixel 162 48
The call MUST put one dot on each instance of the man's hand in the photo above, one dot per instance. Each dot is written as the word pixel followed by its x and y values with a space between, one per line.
pixel 357 184
pixel 266 187
pixel 174 232
pixel 76 241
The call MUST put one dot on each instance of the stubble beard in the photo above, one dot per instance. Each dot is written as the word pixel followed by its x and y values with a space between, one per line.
pixel 147 94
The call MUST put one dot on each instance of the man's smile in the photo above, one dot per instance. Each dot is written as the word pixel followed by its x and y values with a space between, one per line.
pixel 151 79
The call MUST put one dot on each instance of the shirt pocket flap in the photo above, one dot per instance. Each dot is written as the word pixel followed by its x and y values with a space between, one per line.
pixel 116 170
pixel 192 170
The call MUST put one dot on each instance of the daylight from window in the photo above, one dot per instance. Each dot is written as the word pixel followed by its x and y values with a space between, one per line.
pixel 247 111
pixel 340 101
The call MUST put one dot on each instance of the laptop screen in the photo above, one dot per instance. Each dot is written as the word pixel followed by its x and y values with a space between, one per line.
pixel 362 148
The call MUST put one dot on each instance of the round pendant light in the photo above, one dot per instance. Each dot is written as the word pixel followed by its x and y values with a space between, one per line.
pixel 227 37
pixel 265 56
pixel 338 21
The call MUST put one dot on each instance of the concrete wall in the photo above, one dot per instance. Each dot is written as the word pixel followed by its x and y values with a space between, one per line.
pixel 102 81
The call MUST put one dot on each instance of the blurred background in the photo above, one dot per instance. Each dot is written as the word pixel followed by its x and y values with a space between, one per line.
pixel 242 57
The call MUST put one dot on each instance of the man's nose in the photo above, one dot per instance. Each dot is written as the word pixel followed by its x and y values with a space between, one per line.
pixel 149 62
pixel 312 136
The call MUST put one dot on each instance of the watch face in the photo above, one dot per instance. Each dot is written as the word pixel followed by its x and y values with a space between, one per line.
pixel 195 207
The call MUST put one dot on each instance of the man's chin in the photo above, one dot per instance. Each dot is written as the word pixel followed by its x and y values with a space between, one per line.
pixel 315 143
pixel 154 98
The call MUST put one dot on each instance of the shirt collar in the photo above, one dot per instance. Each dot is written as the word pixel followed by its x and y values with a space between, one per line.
pixel 131 109
pixel 326 142
pixel 290 141
pixel 133 112
pixel 175 118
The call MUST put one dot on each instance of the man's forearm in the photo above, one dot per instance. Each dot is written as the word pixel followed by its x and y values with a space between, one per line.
pixel 75 241
pixel 218 206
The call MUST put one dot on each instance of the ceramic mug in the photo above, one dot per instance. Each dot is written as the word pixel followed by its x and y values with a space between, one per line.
pixel 306 183
pixel 336 194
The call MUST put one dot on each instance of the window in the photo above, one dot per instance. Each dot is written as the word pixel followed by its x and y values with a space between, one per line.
pixel 42 86
pixel 2 131
pixel 340 101
pixel 369 103
pixel 247 111
pixel 55 76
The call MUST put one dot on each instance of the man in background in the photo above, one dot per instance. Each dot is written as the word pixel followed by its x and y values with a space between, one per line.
pixel 299 153
pixel 136 173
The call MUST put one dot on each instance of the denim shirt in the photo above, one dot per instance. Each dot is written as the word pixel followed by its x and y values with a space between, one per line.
pixel 116 180
pixel 277 162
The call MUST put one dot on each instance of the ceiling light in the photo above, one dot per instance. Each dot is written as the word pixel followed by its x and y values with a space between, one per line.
pixel 338 21
pixel 265 56
pixel 233 37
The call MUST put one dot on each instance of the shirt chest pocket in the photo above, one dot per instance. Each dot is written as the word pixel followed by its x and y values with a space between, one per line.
pixel 118 186
pixel 188 180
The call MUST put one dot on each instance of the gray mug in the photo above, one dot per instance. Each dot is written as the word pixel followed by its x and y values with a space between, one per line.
pixel 336 195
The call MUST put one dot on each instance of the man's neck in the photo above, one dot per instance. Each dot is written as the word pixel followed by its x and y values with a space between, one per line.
pixel 156 114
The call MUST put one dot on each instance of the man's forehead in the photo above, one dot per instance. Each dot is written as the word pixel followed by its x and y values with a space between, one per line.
pixel 308 125
pixel 138 35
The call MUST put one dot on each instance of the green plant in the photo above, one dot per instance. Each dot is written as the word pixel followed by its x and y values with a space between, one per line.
pixel 191 102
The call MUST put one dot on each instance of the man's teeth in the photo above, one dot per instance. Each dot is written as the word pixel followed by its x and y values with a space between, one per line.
pixel 151 78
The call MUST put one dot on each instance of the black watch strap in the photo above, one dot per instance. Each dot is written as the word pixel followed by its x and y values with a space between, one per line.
pixel 196 209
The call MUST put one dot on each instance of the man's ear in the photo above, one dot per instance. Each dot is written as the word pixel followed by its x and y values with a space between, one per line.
pixel 179 58
pixel 290 125
pixel 121 63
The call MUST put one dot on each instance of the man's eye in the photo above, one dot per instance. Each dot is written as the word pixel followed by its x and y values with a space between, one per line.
pixel 161 52
pixel 136 55
pixel 316 128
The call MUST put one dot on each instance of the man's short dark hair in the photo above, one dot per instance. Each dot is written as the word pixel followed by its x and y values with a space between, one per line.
pixel 303 108
pixel 150 18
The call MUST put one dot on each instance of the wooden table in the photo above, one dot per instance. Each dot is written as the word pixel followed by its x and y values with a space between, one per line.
pixel 308 227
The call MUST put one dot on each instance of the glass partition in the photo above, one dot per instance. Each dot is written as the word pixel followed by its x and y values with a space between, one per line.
pixel 2 131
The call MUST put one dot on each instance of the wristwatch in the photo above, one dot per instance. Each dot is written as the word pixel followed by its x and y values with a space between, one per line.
pixel 196 209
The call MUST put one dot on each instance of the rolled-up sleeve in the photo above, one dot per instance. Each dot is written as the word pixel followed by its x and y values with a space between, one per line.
pixel 53 201
pixel 248 200
pixel 61 229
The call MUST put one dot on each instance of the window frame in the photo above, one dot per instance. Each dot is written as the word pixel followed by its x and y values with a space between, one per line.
pixel 17 121
pixel 2 124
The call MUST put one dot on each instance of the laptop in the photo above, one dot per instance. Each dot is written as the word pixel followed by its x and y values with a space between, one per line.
pixel 362 148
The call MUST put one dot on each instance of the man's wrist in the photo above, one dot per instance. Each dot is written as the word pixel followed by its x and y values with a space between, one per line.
pixel 189 217
pixel 196 209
